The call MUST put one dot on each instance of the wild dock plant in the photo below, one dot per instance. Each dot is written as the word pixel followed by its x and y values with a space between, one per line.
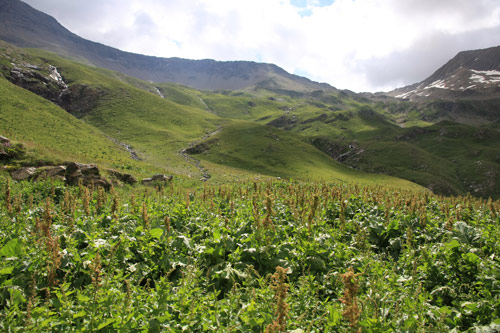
pixel 231 208
pixel 188 200
pixel 280 288
pixel 409 237
pixel 86 201
pixel 31 299
pixel 268 223
pixel 96 275
pixel 255 211
pixel 52 190
pixel 66 204
pixel 343 204
pixel 30 201
pixel 458 212
pixel 95 270
pixel 38 225
pixel 450 223
pixel 80 187
pixel 351 286
pixel 166 222
pixel 114 206
pixel 101 198
pixel 18 203
pixel 491 206
pixel 8 198
pixel 423 217
pixel 145 216
pixel 47 219
pixel 133 203
pixel 54 260
pixel 313 212
pixel 351 311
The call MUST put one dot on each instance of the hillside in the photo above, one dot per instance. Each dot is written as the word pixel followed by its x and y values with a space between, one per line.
pixel 53 135
pixel 24 26
pixel 160 122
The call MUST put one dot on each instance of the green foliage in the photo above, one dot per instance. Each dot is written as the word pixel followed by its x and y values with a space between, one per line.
pixel 171 259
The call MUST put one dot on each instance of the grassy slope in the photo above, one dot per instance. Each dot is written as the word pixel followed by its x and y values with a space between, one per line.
pixel 132 111
pixel 129 110
pixel 274 152
pixel 450 158
pixel 54 134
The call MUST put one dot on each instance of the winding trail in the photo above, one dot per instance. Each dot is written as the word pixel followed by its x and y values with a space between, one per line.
pixel 205 175
pixel 127 147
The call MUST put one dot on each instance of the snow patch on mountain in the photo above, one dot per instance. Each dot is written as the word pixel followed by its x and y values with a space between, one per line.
pixel 437 84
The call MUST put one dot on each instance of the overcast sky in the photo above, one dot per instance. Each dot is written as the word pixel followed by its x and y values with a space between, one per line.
pixel 362 45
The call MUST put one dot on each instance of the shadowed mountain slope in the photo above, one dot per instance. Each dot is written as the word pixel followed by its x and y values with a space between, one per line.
pixel 471 74
pixel 24 26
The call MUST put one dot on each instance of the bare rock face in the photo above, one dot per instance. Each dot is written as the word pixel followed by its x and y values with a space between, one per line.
pixel 87 174
pixel 51 172
pixel 156 179
pixel 4 143
pixel 23 173
pixel 123 177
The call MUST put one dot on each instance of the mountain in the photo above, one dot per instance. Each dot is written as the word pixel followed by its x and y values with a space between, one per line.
pixel 278 125
pixel 471 74
pixel 24 26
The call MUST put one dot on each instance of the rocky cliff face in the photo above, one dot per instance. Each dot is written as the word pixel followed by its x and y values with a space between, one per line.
pixel 46 81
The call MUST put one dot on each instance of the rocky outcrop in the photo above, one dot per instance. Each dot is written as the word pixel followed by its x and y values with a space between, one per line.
pixel 51 172
pixel 72 174
pixel 200 147
pixel 87 174
pixel 4 141
pixel 4 144
pixel 156 179
pixel 45 82
pixel 339 150
pixel 23 173
pixel 122 177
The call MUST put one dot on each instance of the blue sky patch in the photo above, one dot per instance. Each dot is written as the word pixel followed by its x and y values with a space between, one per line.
pixel 311 3
pixel 305 12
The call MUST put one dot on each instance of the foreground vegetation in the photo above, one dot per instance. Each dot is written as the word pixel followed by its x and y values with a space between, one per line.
pixel 269 256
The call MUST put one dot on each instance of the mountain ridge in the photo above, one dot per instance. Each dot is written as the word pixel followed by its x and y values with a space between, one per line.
pixel 471 74
pixel 24 26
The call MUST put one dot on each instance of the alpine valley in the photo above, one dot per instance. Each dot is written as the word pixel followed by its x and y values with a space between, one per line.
pixel 268 202
pixel 220 121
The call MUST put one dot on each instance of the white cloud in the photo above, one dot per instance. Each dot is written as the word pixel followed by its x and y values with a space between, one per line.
pixel 354 44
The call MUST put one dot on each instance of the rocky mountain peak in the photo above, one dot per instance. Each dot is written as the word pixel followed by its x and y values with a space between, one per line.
pixel 470 74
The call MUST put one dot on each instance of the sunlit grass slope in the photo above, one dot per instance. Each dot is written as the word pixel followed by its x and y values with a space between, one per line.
pixel 274 152
pixel 53 134
pixel 133 112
